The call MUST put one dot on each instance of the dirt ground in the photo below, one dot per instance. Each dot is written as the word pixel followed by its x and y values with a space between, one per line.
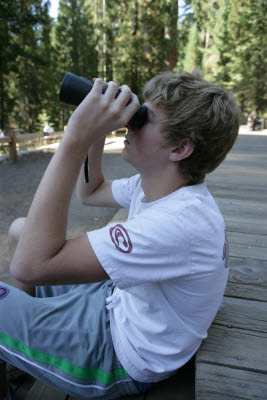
pixel 18 183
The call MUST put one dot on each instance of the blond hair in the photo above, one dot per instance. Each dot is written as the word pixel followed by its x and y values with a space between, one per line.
pixel 197 110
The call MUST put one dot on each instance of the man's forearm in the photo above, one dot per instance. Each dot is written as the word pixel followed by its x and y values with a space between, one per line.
pixel 94 172
pixel 42 245
pixel 44 232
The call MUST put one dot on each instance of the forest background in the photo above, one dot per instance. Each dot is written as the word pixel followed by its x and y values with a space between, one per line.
pixel 127 41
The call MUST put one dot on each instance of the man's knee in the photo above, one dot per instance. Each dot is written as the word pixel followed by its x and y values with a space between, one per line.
pixel 15 232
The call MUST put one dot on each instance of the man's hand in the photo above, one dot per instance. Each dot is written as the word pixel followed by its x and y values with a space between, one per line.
pixel 99 114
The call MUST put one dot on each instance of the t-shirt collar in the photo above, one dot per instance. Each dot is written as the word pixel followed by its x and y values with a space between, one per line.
pixel 200 189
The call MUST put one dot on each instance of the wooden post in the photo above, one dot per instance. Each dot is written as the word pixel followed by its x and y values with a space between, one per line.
pixel 13 155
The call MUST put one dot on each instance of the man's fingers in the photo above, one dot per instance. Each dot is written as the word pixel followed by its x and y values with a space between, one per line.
pixel 125 95
pixel 111 91
pixel 98 84
pixel 131 108
pixel 125 105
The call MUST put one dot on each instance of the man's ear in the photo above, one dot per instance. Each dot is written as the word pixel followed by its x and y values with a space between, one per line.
pixel 183 150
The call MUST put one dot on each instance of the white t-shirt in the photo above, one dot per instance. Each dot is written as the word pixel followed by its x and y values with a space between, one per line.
pixel 169 263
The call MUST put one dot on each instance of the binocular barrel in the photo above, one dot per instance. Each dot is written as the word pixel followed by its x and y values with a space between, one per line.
pixel 75 88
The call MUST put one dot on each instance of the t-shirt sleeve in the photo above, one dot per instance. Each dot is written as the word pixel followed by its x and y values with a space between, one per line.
pixel 147 248
pixel 123 189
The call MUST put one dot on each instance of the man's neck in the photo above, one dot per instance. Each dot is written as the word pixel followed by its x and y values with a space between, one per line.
pixel 159 184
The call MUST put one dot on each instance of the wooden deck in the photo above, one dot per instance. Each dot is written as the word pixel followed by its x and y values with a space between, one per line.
pixel 232 362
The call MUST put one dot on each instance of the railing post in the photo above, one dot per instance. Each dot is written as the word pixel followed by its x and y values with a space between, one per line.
pixel 13 155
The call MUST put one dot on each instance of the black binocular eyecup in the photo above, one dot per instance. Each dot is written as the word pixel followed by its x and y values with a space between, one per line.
pixel 75 88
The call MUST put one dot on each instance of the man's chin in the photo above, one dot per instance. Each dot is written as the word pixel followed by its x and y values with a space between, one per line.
pixel 125 156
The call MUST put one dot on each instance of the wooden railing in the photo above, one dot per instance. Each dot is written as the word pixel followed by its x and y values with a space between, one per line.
pixel 13 139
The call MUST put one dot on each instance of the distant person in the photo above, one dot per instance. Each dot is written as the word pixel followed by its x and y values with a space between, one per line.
pixel 127 305
pixel 2 133
pixel 256 124
pixel 48 129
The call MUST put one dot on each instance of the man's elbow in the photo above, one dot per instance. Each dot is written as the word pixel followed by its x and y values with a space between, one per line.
pixel 23 273
pixel 83 199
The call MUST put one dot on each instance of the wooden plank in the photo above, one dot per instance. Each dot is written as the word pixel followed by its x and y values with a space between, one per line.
pixel 4 140
pixel 29 136
pixel 242 291
pixel 242 180
pixel 56 134
pixel 221 190
pixel 243 207
pixel 236 348
pixel 13 154
pixel 236 224
pixel 40 391
pixel 243 314
pixel 242 250
pixel 247 238
pixel 214 382
pixel 251 221
pixel 248 271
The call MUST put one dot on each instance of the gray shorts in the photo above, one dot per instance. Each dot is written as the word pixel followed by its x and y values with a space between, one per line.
pixel 62 337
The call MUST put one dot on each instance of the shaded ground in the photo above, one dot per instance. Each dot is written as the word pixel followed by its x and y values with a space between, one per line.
pixel 18 183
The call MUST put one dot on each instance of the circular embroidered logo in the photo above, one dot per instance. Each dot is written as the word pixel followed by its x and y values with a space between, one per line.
pixel 121 239
pixel 3 292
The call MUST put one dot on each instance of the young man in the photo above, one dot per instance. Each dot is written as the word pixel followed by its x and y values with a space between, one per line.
pixel 161 275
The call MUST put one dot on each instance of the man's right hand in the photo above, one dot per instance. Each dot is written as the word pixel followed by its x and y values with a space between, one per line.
pixel 100 114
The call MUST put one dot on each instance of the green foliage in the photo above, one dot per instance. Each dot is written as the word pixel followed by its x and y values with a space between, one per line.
pixel 248 66
pixel 193 55
pixel 129 42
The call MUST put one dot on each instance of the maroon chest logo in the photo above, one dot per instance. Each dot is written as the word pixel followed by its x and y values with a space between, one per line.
pixel 121 238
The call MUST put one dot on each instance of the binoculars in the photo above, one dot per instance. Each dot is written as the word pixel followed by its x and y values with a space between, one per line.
pixel 75 88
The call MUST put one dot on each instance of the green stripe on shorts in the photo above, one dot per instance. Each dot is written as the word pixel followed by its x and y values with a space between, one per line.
pixel 64 365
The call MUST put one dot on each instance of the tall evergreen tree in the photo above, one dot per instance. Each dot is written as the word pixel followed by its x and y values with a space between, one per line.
pixel 21 84
pixel 248 67
pixel 32 16
pixel 8 52
pixel 75 45
pixel 192 51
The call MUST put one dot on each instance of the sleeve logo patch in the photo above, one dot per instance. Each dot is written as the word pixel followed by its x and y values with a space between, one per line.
pixel 3 292
pixel 121 238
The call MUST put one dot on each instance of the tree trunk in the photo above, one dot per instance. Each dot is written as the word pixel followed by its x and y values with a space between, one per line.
pixel 171 36
pixel 134 65
pixel 2 96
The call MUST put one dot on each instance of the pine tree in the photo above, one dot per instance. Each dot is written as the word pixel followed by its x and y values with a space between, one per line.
pixel 192 52
pixel 248 67
pixel 21 82
pixel 8 50
pixel 75 44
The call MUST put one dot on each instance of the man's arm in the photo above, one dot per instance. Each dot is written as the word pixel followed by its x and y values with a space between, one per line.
pixel 43 255
pixel 97 191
